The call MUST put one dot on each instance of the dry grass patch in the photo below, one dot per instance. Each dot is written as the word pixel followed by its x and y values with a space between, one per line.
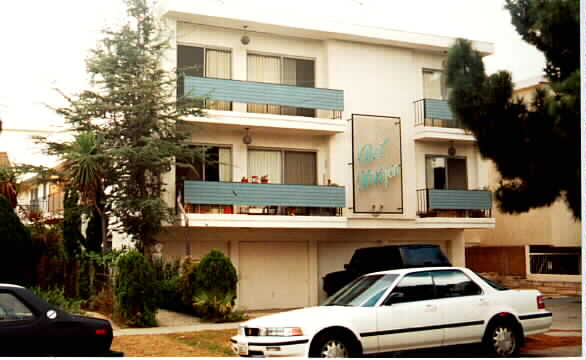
pixel 214 343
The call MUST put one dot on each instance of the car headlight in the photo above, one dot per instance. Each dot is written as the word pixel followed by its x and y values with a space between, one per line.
pixel 281 331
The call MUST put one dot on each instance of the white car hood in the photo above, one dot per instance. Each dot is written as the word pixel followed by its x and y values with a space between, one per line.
pixel 306 317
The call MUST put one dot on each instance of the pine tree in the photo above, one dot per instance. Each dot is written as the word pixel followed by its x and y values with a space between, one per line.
pixel 132 107
pixel 535 146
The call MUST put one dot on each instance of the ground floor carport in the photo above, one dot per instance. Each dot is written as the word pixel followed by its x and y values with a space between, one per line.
pixel 283 268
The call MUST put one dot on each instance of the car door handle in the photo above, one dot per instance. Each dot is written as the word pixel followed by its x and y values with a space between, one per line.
pixel 483 302
pixel 430 308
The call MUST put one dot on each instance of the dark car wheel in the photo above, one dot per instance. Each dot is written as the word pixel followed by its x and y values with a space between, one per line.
pixel 502 339
pixel 333 345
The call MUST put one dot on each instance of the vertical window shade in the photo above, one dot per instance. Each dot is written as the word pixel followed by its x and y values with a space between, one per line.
pixel 262 162
pixel 273 69
pixel 433 85
pixel 218 65
pixel 264 69
pixel 300 168
pixel 225 160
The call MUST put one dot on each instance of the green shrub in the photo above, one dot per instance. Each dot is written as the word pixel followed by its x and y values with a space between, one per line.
pixel 216 280
pixel 56 297
pixel 186 284
pixel 136 291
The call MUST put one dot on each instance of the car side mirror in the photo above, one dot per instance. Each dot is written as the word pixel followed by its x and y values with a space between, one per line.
pixel 395 297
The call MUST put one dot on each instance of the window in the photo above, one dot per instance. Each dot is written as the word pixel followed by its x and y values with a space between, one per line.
pixel 12 309
pixel 555 260
pixel 213 164
pixel 446 173
pixel 281 70
pixel 413 287
pixel 434 85
pixel 203 62
pixel 452 283
pixel 364 291
pixel 283 167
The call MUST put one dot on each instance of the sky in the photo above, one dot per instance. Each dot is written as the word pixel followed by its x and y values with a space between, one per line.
pixel 45 44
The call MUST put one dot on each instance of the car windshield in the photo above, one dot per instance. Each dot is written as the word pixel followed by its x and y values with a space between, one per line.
pixel 364 291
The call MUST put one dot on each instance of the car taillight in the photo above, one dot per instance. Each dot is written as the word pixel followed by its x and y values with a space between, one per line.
pixel 540 302
pixel 101 331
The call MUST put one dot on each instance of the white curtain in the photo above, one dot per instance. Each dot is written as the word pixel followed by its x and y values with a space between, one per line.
pixel 264 69
pixel 433 84
pixel 218 65
pixel 263 162
pixel 225 159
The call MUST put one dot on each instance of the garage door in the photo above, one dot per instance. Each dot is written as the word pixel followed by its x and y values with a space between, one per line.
pixel 273 275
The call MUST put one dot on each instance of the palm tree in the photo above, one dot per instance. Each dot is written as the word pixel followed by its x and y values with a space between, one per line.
pixel 85 165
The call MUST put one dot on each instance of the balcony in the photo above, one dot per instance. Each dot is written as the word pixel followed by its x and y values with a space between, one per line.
pixel 214 197
pixel 454 203
pixel 434 121
pixel 250 92
pixel 327 103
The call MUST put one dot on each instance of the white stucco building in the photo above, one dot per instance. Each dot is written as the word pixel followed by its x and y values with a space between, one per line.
pixel 309 104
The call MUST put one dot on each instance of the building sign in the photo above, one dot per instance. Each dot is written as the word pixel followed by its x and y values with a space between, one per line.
pixel 377 172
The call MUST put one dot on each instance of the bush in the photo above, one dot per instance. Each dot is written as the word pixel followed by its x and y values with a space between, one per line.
pixel 135 291
pixel 186 284
pixel 56 297
pixel 216 280
pixel 16 257
pixel 102 302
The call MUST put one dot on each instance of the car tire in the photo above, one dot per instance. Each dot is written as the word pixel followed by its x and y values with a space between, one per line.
pixel 331 345
pixel 502 339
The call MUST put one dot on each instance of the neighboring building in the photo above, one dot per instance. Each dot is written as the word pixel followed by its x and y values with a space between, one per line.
pixel 541 245
pixel 306 105
pixel 41 197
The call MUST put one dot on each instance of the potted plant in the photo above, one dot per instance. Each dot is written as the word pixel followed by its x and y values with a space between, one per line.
pixel 255 179
pixel 244 179
pixel 264 179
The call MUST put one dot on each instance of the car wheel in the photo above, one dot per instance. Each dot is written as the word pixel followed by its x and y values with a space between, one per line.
pixel 502 340
pixel 330 346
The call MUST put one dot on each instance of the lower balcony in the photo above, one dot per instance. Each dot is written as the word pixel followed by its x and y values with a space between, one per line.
pixel 215 197
pixel 454 203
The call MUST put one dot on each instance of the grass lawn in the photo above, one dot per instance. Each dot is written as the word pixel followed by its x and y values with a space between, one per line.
pixel 217 344
pixel 200 343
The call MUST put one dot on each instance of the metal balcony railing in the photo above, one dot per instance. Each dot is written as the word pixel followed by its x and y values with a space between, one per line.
pixel 454 203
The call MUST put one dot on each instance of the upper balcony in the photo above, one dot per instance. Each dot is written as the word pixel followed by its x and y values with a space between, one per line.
pixel 224 204
pixel 321 113
pixel 434 121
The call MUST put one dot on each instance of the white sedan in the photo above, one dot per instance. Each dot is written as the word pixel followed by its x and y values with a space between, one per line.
pixel 400 310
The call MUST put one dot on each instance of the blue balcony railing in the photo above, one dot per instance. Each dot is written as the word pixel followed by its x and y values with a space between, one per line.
pixel 251 92
pixel 272 199
pixel 437 113
pixel 454 203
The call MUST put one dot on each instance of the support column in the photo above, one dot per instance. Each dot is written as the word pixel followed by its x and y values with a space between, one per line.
pixel 457 249
pixel 313 273
pixel 234 253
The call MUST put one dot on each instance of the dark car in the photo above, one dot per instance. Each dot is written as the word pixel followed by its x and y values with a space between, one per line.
pixel 381 258
pixel 29 326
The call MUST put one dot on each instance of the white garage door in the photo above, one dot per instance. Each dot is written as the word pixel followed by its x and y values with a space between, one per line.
pixel 273 275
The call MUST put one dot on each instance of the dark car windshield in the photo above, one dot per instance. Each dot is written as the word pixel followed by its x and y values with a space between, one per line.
pixel 364 291
pixel 492 283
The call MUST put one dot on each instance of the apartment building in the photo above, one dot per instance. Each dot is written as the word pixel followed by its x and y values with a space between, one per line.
pixel 319 138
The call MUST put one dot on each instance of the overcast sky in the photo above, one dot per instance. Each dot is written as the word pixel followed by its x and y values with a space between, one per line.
pixel 45 44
